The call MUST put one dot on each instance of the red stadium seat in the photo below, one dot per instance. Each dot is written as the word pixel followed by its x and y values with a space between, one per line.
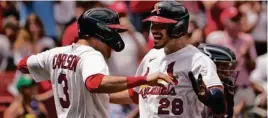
pixel 5 97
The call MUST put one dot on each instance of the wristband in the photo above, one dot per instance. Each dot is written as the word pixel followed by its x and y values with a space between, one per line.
pixel 22 66
pixel 135 81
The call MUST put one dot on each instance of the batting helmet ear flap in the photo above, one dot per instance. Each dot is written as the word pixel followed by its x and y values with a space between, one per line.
pixel 109 37
pixel 115 42
pixel 180 28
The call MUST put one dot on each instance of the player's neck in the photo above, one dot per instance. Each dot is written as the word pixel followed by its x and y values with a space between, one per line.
pixel 83 42
pixel 94 43
pixel 175 45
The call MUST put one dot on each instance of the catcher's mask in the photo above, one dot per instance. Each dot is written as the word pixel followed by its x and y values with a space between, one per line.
pixel 225 61
pixel 227 73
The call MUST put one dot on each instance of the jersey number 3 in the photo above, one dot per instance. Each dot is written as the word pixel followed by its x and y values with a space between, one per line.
pixel 64 103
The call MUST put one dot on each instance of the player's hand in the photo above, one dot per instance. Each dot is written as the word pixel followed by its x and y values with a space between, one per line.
pixel 159 78
pixel 213 97
pixel 198 84
pixel 199 88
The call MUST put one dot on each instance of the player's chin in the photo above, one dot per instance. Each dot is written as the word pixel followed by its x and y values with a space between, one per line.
pixel 158 46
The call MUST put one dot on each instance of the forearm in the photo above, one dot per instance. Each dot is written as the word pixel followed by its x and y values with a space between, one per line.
pixel 112 84
pixel 238 108
pixel 121 98
pixel 99 83
pixel 214 99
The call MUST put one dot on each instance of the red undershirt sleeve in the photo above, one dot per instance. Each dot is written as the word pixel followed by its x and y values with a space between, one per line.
pixel 93 82
pixel 22 66
pixel 133 95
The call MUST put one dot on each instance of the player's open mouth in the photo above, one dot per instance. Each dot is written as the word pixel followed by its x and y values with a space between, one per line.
pixel 157 36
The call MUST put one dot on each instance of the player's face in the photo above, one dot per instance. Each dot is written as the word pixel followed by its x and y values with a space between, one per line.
pixel 233 29
pixel 226 70
pixel 227 74
pixel 159 32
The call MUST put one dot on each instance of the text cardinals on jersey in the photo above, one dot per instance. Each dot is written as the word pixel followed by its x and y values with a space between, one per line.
pixel 180 100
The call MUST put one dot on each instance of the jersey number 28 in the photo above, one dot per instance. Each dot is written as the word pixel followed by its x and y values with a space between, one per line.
pixel 62 79
pixel 176 106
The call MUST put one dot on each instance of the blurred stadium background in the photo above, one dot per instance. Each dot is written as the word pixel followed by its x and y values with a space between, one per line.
pixel 29 27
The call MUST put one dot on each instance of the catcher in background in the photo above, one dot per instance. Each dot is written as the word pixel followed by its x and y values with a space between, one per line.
pixel 225 61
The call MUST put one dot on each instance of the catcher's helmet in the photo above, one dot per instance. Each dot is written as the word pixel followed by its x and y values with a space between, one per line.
pixel 172 13
pixel 225 60
pixel 218 53
pixel 103 24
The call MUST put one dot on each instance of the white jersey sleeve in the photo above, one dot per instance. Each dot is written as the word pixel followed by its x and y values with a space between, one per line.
pixel 139 73
pixel 206 67
pixel 140 70
pixel 38 66
pixel 93 64
pixel 141 67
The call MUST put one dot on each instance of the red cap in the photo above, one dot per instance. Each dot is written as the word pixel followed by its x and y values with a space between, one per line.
pixel 228 13
pixel 119 7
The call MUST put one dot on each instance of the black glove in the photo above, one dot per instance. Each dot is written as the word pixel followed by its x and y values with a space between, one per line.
pixel 199 87
pixel 213 97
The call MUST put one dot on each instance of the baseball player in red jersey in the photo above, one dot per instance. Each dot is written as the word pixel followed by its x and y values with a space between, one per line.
pixel 189 66
pixel 79 73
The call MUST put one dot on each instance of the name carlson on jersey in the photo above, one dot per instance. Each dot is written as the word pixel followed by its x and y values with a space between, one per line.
pixel 157 90
pixel 65 61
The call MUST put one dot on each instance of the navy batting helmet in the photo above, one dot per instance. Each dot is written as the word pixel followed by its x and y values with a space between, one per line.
pixel 103 24
pixel 172 13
